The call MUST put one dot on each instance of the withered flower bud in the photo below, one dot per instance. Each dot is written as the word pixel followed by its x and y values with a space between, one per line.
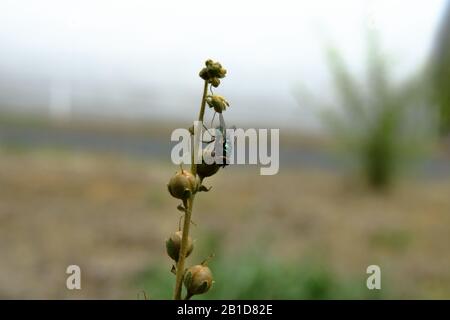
pixel 213 72
pixel 217 102
pixel 204 74
pixel 182 185
pixel 214 82
pixel 198 279
pixel 173 245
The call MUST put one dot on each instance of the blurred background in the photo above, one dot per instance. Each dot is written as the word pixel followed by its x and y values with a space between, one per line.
pixel 90 92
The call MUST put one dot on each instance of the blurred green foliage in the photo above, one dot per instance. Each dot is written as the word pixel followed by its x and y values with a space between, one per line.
pixel 392 239
pixel 251 277
pixel 383 124
pixel 252 274
pixel 441 74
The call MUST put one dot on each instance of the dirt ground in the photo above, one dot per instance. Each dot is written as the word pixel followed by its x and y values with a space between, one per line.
pixel 111 215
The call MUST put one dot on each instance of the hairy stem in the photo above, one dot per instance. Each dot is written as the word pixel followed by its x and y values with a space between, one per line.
pixel 188 212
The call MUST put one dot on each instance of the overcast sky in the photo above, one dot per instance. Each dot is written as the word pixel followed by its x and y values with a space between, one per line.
pixel 152 51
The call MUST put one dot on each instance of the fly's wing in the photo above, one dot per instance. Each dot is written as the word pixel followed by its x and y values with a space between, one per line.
pixel 220 131
pixel 220 152
pixel 227 144
pixel 223 126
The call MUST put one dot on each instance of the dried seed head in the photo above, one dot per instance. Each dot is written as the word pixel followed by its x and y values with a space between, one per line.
pixel 182 185
pixel 217 102
pixel 173 245
pixel 198 279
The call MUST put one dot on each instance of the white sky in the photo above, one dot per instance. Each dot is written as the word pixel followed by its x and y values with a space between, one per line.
pixel 267 47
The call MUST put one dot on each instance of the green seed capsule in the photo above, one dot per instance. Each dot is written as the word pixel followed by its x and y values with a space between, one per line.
pixel 182 185
pixel 173 245
pixel 198 279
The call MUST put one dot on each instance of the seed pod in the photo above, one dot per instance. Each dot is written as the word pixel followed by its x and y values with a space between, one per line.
pixel 173 245
pixel 197 279
pixel 208 167
pixel 182 185
pixel 207 170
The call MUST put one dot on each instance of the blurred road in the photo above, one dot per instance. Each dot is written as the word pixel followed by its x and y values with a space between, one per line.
pixel 156 147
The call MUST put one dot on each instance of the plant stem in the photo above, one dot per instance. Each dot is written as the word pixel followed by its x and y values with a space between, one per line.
pixel 202 107
pixel 197 137
pixel 188 212
pixel 183 249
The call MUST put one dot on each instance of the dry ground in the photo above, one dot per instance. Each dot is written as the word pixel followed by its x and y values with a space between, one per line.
pixel 110 215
